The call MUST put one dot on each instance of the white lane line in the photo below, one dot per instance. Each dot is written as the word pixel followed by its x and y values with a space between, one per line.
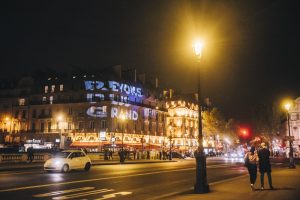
pixel 92 180
pixel 114 195
pixel 96 179
pixel 71 196
pixel 63 192
pixel 14 173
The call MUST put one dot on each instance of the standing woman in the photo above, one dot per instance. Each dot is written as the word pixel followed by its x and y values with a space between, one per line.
pixel 252 165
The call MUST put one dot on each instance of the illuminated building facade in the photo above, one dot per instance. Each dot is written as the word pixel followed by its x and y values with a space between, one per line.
pixel 182 125
pixel 84 111
pixel 294 126
pixel 97 112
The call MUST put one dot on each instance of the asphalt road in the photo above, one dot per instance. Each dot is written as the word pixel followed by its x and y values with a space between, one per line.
pixel 127 181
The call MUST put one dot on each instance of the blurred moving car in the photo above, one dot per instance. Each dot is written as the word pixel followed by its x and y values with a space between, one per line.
pixel 177 155
pixel 68 160
pixel 234 155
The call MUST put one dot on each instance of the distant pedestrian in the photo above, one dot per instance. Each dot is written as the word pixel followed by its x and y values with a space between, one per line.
pixel 110 153
pixel 251 159
pixel 264 165
pixel 30 155
pixel 134 154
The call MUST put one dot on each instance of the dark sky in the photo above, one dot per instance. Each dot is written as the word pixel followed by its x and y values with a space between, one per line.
pixel 251 53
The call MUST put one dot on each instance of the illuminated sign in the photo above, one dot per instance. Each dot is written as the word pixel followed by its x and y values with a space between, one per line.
pixel 125 88
pixel 94 111
pixel 33 141
pixel 115 87
pixel 129 114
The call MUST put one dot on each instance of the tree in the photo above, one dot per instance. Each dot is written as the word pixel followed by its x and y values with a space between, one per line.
pixel 267 120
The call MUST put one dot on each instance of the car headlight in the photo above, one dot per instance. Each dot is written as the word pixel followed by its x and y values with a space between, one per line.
pixel 57 163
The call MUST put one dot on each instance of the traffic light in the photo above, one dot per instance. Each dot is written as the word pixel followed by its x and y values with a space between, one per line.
pixel 244 133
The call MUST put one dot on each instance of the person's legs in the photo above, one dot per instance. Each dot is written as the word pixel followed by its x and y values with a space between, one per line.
pixel 250 174
pixel 270 180
pixel 262 179
pixel 254 174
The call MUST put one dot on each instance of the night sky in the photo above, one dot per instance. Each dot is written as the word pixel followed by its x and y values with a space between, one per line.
pixel 251 53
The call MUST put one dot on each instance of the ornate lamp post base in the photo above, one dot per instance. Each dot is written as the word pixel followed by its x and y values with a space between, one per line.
pixel 201 185
pixel 292 163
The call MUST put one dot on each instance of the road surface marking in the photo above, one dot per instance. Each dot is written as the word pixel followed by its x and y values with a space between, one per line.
pixel 13 173
pixel 92 180
pixel 113 195
pixel 63 192
pixel 82 194
pixel 97 179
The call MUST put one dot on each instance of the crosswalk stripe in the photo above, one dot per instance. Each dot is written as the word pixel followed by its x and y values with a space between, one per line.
pixel 81 194
pixel 113 195
pixel 63 192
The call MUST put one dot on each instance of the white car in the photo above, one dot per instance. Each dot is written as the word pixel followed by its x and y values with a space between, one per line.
pixel 68 160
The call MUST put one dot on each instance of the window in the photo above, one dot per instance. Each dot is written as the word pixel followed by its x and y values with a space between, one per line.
pixel 100 96
pixel 33 126
pixel 92 124
pixel 33 115
pixel 46 89
pixel 111 97
pixel 103 124
pixel 69 125
pixel 50 112
pixel 43 112
pixel 21 102
pixel 89 97
pixel 49 126
pixel 51 99
pixel 61 87
pixel 42 126
pixel 52 88
pixel 70 111
pixel 44 99
pixel 17 114
pixel 24 114
pixel 80 125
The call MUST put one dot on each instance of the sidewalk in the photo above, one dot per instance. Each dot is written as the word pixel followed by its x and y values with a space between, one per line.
pixel 39 165
pixel 286 182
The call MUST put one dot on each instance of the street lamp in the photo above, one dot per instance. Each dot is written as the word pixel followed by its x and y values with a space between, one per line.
pixel 123 118
pixel 201 185
pixel 170 140
pixel 287 107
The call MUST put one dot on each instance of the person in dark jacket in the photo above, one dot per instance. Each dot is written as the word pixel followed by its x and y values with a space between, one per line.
pixel 253 159
pixel 264 165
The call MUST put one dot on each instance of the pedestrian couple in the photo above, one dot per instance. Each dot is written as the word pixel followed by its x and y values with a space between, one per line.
pixel 260 157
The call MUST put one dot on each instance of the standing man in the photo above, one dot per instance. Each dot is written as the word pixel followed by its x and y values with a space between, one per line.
pixel 264 165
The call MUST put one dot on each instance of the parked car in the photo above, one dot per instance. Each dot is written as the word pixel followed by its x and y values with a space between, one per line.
pixel 68 160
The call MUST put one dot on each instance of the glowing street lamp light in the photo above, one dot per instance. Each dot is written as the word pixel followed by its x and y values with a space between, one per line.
pixel 287 107
pixel 198 47
pixel 201 185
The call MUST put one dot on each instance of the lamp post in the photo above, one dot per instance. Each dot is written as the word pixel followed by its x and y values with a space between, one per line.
pixel 123 118
pixel 201 185
pixel 287 106
pixel 170 142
